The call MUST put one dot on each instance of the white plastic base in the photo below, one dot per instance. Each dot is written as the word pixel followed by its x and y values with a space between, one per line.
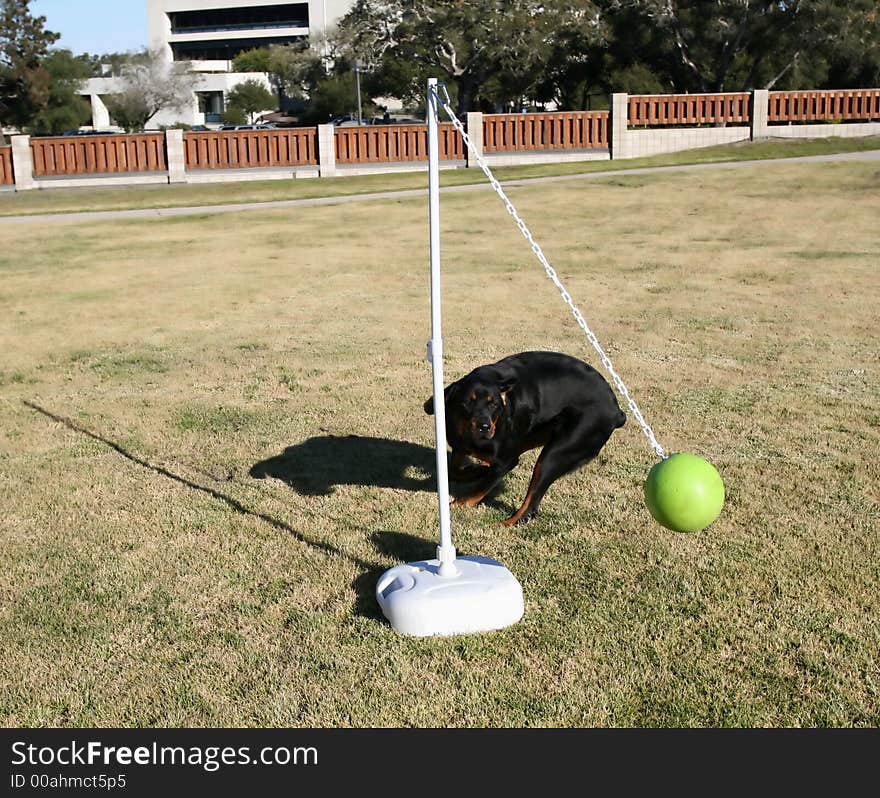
pixel 482 596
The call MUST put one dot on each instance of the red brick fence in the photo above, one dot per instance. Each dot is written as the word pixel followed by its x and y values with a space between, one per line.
pixel 637 125
pixel 548 131
pixel 394 144
pixel 652 124
pixel 250 148
pixel 79 155
pixel 665 110
pixel 824 106
pixel 688 109
pixel 6 178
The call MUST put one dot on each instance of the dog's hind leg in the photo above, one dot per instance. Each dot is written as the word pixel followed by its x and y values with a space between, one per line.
pixel 560 456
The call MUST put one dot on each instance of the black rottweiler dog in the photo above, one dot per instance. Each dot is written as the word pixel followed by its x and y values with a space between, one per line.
pixel 524 401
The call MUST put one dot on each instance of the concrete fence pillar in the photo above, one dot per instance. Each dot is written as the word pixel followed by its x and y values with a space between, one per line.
pixel 619 118
pixel 176 156
pixel 760 114
pixel 475 134
pixel 22 163
pixel 326 151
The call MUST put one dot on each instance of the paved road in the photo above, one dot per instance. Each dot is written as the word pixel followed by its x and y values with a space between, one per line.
pixel 158 213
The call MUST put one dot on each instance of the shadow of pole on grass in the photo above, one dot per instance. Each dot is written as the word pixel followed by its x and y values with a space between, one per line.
pixel 395 544
pixel 233 504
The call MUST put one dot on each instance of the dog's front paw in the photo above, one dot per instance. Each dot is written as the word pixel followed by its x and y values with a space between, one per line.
pixel 465 501
pixel 516 519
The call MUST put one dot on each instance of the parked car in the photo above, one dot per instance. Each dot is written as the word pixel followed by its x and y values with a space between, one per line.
pixel 279 119
pixel 79 132
pixel 382 120
pixel 345 120
pixel 249 127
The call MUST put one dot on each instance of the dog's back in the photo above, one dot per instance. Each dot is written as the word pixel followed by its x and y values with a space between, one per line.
pixel 551 382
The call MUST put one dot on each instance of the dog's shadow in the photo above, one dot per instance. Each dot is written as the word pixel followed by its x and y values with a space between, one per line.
pixel 315 466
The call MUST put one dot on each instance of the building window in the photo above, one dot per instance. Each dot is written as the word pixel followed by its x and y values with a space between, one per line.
pixel 223 49
pixel 289 15
pixel 211 105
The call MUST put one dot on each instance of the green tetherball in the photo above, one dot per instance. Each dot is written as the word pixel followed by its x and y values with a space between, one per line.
pixel 684 492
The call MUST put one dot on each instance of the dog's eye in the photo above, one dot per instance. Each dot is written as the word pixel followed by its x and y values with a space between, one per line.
pixel 491 400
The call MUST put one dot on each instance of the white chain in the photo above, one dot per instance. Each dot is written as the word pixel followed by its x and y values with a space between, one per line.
pixel 551 273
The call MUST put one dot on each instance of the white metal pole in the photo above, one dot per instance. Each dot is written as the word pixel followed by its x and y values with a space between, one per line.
pixel 446 551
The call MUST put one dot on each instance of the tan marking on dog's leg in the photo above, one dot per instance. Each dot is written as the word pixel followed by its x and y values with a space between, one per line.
pixel 474 499
pixel 527 502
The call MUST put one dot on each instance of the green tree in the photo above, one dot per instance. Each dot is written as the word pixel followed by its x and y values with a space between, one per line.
pixel 849 54
pixel 106 64
pixel 234 116
pixel 65 108
pixel 497 52
pixel 334 96
pixel 24 80
pixel 573 61
pixel 293 70
pixel 403 42
pixel 148 84
pixel 744 44
pixel 248 97
pixel 489 51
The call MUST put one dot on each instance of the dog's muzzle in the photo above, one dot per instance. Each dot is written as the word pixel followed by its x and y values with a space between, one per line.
pixel 484 429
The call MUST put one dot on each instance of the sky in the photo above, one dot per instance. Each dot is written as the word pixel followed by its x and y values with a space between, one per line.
pixel 95 26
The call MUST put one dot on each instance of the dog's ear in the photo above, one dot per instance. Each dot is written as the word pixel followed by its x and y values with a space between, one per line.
pixel 506 381
pixel 505 387
pixel 447 392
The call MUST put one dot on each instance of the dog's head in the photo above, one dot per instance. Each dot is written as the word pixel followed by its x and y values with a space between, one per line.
pixel 476 404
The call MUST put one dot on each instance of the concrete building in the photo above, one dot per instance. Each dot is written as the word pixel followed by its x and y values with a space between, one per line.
pixel 211 32
pixel 208 34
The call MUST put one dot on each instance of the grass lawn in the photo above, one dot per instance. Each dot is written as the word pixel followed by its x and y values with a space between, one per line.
pixel 212 444
pixel 68 200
